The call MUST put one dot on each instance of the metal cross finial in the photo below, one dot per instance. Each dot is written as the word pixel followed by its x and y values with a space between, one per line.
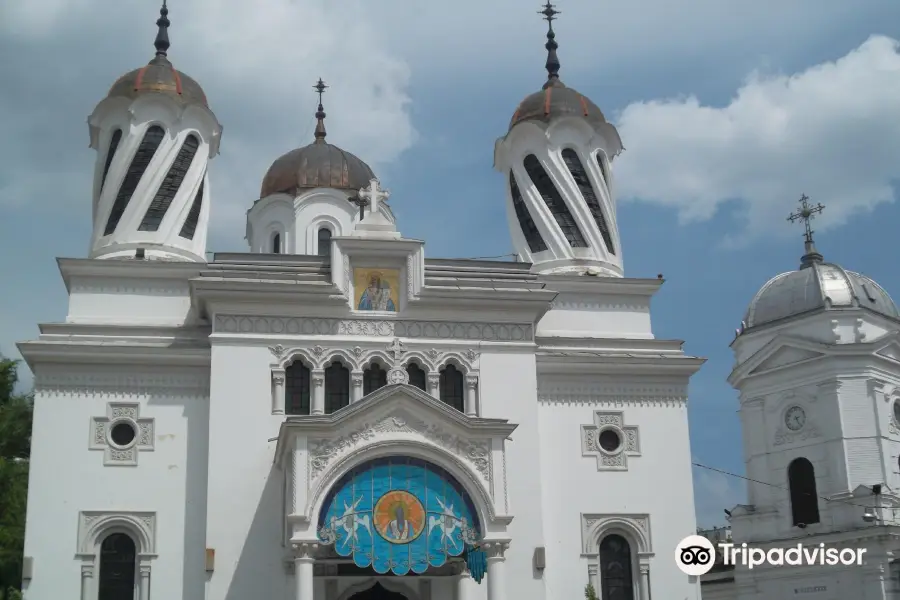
pixel 320 87
pixel 162 36
pixel 552 64
pixel 549 13
pixel 806 214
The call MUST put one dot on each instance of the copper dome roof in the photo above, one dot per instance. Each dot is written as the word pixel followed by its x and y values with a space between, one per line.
pixel 159 76
pixel 318 165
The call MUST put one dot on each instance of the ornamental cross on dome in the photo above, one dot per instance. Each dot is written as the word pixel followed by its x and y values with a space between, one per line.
pixel 806 214
pixel 373 195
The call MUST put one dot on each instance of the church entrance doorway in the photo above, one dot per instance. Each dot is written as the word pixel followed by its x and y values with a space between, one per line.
pixel 378 592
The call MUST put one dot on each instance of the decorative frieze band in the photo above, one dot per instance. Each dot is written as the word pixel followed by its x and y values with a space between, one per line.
pixel 120 384
pixel 255 325
pixel 612 395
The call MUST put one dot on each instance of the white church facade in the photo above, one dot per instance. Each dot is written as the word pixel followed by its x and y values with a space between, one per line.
pixel 817 368
pixel 332 415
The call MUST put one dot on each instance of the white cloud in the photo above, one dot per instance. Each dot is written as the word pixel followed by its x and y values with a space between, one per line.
pixel 714 493
pixel 832 132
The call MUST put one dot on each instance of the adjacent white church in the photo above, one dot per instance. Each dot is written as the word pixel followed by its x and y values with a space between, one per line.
pixel 334 416
pixel 817 367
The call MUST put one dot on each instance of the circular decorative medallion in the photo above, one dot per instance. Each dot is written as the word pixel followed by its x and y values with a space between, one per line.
pixel 795 418
pixel 397 375
pixel 399 517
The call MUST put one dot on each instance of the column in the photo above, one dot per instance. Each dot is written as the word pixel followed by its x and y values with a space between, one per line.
pixel 496 570
pixel 87 576
pixel 645 582
pixel 318 392
pixel 278 392
pixel 434 384
pixel 464 587
pixel 145 582
pixel 356 383
pixel 472 395
pixel 303 571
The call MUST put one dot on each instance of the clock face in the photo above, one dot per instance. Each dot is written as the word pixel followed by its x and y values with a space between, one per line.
pixel 794 418
pixel 897 412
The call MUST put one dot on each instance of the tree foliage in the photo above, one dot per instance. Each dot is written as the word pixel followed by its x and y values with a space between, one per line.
pixel 15 448
pixel 589 592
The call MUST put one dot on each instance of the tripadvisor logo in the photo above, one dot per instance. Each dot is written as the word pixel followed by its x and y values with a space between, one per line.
pixel 696 555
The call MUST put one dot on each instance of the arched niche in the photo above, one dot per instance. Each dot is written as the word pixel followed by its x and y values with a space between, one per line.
pixel 399 514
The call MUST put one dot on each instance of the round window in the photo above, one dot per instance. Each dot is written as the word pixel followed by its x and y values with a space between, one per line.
pixel 610 440
pixel 122 434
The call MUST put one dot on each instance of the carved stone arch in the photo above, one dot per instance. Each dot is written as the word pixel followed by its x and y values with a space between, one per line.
pixel 464 474
pixel 95 526
pixel 633 527
pixel 418 357
pixel 392 584
pixel 379 356
pixel 457 360
pixel 297 354
pixel 345 357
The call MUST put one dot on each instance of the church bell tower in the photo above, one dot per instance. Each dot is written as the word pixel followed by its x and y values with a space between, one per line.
pixel 560 194
pixel 154 135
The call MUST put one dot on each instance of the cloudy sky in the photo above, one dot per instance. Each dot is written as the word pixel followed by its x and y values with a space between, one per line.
pixel 729 111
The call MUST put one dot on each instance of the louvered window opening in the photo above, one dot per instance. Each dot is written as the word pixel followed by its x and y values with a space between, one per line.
pixel 554 202
pixel 152 139
pixel 526 223
pixel 110 154
pixel 193 217
pixel 602 169
pixel 576 168
pixel 161 202
pixel 297 388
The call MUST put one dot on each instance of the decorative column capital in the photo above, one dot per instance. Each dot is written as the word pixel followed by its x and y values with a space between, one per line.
pixel 495 550
pixel 434 378
pixel 356 378
pixel 318 377
pixel 645 569
pixel 278 376
pixel 304 551
pixel 145 570
pixel 87 570
pixel 471 381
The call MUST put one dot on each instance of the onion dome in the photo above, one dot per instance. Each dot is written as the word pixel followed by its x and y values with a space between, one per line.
pixel 556 100
pixel 159 76
pixel 816 286
pixel 318 165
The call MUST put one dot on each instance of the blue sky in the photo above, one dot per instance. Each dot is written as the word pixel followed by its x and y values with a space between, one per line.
pixel 727 115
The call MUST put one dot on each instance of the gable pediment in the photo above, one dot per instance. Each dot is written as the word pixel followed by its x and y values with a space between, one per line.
pixel 784 356
pixel 778 353
pixel 890 351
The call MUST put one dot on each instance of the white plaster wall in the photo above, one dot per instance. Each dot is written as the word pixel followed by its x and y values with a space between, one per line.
pixel 658 483
pixel 130 301
pixel 66 478
pixel 245 507
pixel 597 316
pixel 508 390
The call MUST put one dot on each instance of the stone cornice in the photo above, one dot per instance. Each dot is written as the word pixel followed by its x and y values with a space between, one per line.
pixel 604 392
pixel 616 363
pixel 105 353
pixel 51 380
pixel 254 325
pixel 587 284
pixel 71 268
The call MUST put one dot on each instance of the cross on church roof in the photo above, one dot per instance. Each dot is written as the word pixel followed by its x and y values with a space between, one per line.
pixel 372 196
pixel 806 214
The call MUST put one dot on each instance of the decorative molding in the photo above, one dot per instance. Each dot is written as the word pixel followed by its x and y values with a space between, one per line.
pixel 584 303
pixel 262 325
pixel 615 460
pixel 138 287
pixel 634 527
pixel 495 550
pixel 304 550
pixel 93 526
pixel 612 395
pixel 396 354
pixel 122 413
pixel 397 375
pixel 803 397
pixel 474 451
pixel 120 384
pixel 471 381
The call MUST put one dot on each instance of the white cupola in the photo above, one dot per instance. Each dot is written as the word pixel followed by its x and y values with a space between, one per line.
pixel 560 195
pixel 309 196
pixel 154 134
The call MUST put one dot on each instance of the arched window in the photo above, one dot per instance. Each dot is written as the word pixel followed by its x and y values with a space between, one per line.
pixel 159 206
pixel 526 223
pixel 152 139
pixel 451 387
pixel 554 201
pixel 570 157
pixel 416 376
pixel 324 241
pixel 804 497
pixel 373 378
pixel 118 567
pixel 193 216
pixel 337 387
pixel 276 243
pixel 603 172
pixel 616 581
pixel 296 389
pixel 113 146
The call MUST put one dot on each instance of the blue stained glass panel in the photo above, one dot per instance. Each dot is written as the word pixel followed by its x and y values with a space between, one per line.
pixel 399 515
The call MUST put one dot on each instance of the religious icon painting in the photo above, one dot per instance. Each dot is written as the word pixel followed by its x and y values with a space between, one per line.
pixel 376 289
pixel 399 517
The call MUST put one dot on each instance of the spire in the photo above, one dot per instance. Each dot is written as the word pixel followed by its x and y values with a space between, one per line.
pixel 162 36
pixel 806 214
pixel 320 113
pixel 552 64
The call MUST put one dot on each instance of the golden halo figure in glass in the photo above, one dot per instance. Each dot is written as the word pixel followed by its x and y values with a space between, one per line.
pixel 399 517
